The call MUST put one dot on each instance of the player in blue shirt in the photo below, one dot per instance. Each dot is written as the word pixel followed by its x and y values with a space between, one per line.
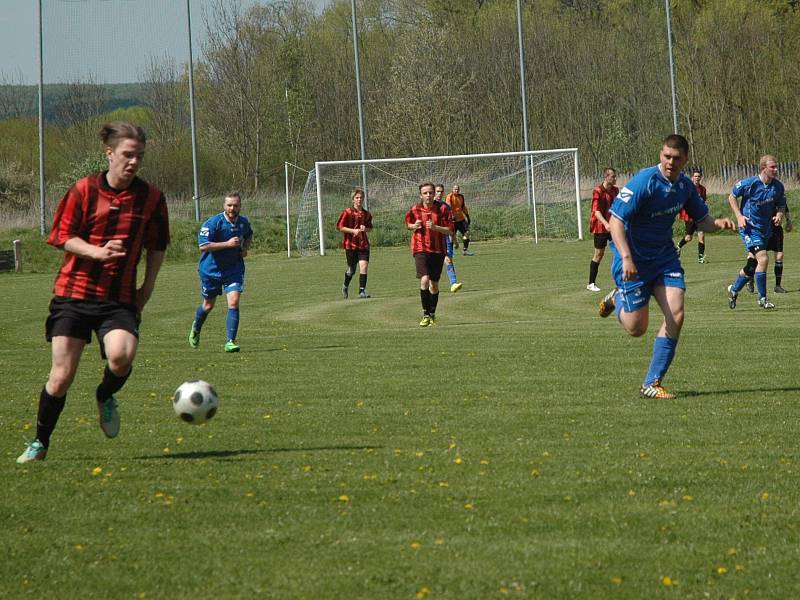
pixel 223 240
pixel 763 203
pixel 645 259
pixel 455 285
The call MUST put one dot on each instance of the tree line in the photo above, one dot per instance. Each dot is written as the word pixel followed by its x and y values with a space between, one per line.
pixel 276 82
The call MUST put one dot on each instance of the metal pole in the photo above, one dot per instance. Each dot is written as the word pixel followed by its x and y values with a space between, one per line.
pixel 192 118
pixel 672 70
pixel 288 228
pixel 358 96
pixel 523 87
pixel 41 124
pixel 578 197
pixel 320 222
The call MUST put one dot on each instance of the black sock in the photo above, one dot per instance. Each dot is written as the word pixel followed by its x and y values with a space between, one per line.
pixel 434 302
pixel 682 243
pixel 425 297
pixel 362 282
pixel 701 248
pixel 347 277
pixel 111 384
pixel 778 272
pixel 466 244
pixel 50 408
pixel 593 267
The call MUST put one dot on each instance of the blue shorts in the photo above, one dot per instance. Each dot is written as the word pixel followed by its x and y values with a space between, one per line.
pixel 753 238
pixel 636 294
pixel 211 287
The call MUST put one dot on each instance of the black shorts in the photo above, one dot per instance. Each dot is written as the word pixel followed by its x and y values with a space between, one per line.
pixel 429 264
pixel 691 226
pixel 775 242
pixel 601 240
pixel 78 318
pixel 462 226
pixel 354 256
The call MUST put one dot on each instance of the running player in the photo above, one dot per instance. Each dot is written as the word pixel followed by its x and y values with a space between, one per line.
pixel 645 260
pixel 448 256
pixel 102 224
pixel 763 202
pixel 223 241
pixel 354 223
pixel 602 197
pixel 431 222
pixel 462 221
pixel 691 227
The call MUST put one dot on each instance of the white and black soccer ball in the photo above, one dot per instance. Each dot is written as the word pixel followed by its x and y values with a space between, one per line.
pixel 195 402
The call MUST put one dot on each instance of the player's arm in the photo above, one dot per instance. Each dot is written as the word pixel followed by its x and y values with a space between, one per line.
pixel 111 250
pixel 153 262
pixel 741 220
pixel 709 225
pixel 617 229
pixel 412 225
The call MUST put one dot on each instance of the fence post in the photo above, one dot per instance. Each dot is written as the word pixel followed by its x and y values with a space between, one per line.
pixel 18 256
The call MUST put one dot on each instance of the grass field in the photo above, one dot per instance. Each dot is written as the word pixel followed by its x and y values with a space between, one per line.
pixel 502 454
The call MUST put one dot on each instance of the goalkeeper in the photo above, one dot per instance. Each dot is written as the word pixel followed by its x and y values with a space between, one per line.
pixel 455 200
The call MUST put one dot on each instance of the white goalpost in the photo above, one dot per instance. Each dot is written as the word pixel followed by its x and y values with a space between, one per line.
pixel 508 194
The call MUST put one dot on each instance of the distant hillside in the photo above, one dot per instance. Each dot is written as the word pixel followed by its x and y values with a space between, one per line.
pixel 22 100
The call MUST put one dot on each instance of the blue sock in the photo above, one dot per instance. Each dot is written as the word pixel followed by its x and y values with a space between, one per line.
pixel 739 283
pixel 663 353
pixel 618 304
pixel 761 284
pixel 199 318
pixel 232 323
pixel 451 273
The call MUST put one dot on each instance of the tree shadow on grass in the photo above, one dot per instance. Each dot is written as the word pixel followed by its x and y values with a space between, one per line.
pixel 695 393
pixel 200 454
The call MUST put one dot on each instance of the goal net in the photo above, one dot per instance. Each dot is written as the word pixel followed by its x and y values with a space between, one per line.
pixel 507 194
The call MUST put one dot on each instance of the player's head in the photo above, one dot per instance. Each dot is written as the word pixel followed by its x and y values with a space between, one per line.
pixel 124 147
pixel 697 175
pixel 233 205
pixel 456 189
pixel 674 155
pixel 426 191
pixel 438 191
pixel 609 176
pixel 768 167
pixel 357 197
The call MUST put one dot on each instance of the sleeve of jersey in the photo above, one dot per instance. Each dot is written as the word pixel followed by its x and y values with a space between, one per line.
pixel 736 191
pixel 368 220
pixel 157 233
pixel 205 235
pixel 695 206
pixel 626 204
pixel 342 220
pixel 68 219
pixel 447 218
pixel 595 200
pixel 410 219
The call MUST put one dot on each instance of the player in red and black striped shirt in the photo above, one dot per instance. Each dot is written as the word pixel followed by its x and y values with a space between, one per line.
pixel 102 224
pixel 431 221
pixel 354 223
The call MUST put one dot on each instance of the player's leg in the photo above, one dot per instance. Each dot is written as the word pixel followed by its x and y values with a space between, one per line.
pixel 435 264
pixel 363 267
pixel 600 242
pixel 449 265
pixel 421 265
pixel 701 247
pixel 779 273
pixel 762 259
pixel 352 262
pixel 233 292
pixel 670 300
pixel 465 237
pixel 210 288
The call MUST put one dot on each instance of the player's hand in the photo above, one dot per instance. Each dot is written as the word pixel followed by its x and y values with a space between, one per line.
pixel 725 224
pixel 741 220
pixel 429 224
pixel 111 250
pixel 629 270
pixel 234 242
pixel 788 225
pixel 776 219
pixel 417 225
pixel 362 229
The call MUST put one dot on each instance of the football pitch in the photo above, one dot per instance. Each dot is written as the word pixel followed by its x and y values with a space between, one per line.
pixel 504 453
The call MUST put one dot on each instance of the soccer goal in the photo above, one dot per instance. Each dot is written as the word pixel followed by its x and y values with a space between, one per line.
pixel 508 194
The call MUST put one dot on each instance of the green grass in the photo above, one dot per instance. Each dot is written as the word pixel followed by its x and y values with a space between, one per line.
pixel 503 454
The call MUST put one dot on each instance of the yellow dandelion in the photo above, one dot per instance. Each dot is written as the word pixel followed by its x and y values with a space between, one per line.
pixel 687 498
pixel 159 494
pixel 250 494
pixel 722 570
pixel 423 592
pixel 444 484
pixel 307 468
pixel 764 496
pixel 344 498
pixel 739 568
pixel 616 580
pixel 451 446
pixel 179 440
pixel 504 590
pixel 469 506
pixel 97 470
pixel 438 541
pixel 416 545
pixel 731 551
pixel 80 547
pixel 166 450
pixel 484 461
pixel 458 460
pixel 419 454
pixel 535 473
pixel 631 493
pixel 666 581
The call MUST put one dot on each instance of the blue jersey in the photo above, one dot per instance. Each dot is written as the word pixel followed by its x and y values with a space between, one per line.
pixel 226 262
pixel 648 205
pixel 759 202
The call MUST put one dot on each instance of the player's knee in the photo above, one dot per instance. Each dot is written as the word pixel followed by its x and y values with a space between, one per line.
pixel 121 361
pixel 750 267
pixel 59 381
pixel 349 272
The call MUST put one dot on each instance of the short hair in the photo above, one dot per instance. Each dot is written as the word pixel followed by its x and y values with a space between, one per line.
pixel 697 170
pixel 607 169
pixel 356 191
pixel 234 194
pixel 677 142
pixel 437 186
pixel 426 184
pixel 764 160
pixel 114 132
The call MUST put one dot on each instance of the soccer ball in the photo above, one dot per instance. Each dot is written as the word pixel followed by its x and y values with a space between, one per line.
pixel 195 402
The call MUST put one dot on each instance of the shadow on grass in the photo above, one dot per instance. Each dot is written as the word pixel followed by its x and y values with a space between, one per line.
pixel 244 451
pixel 694 393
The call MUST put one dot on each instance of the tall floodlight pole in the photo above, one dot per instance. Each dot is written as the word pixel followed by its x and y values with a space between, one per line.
pixel 41 124
pixel 358 96
pixel 528 172
pixel 192 118
pixel 672 70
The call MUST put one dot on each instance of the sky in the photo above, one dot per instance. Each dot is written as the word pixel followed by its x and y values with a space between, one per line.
pixel 111 40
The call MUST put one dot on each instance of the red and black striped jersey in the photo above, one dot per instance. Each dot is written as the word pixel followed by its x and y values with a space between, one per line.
pixel 353 219
pixel 426 240
pixel 97 213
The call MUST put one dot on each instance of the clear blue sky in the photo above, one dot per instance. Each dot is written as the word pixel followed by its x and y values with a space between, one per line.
pixel 112 40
